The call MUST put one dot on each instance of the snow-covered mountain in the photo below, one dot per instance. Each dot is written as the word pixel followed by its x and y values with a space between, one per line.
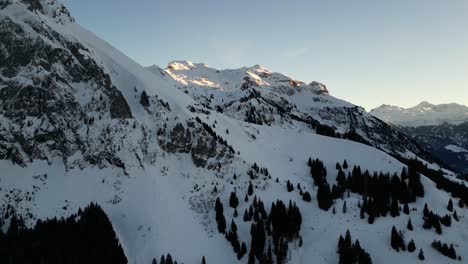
pixel 439 129
pixel 259 96
pixel 82 122
pixel 424 114
pixel 448 142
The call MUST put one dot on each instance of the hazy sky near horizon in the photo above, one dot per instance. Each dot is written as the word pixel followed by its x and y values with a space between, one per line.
pixel 368 52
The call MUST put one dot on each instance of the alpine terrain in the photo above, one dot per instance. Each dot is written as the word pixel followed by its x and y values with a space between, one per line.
pixel 105 161
pixel 441 130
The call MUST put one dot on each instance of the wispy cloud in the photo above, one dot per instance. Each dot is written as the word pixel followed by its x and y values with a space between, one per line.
pixel 295 52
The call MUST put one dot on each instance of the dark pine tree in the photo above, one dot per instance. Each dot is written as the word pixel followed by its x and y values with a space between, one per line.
pixel 450 205
pixel 409 225
pixel 306 197
pixel 250 190
pixel 421 254
pixel 324 197
pixel 411 246
pixel 233 201
pixel 397 242
pixel 406 209
pixel 144 99
pixel 169 259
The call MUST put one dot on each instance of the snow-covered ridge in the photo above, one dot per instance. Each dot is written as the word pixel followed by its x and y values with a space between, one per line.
pixel 51 8
pixel 423 114
pixel 189 73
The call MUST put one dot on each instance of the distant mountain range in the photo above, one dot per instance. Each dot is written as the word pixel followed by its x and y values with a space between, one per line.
pixel 424 114
pixel 440 129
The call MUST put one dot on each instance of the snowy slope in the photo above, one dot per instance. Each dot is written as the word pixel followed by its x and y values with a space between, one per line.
pixel 424 114
pixel 153 166
pixel 261 96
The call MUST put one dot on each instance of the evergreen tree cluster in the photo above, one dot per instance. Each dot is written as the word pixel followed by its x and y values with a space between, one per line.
pixel 381 192
pixel 319 175
pixel 281 226
pixel 233 238
pixel 456 189
pixel 87 237
pixel 352 253
pixel 444 249
pixel 144 99
pixel 165 260
pixel 220 219
pixel 318 171
pixel 397 241
pixel 432 220
pixel 306 197
pixel 255 170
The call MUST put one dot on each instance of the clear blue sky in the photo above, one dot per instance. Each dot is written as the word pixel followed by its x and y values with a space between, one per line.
pixel 368 52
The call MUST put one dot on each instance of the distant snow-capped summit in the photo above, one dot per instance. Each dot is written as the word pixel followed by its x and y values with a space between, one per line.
pixel 423 114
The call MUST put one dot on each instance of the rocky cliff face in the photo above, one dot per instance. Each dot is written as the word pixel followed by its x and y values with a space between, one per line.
pixel 59 101
pixel 260 96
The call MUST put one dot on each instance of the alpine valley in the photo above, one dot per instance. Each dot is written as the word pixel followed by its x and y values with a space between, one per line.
pixel 105 161
pixel 441 130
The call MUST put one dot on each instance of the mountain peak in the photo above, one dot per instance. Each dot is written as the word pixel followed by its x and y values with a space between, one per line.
pixel 50 8
pixel 423 114
pixel 424 104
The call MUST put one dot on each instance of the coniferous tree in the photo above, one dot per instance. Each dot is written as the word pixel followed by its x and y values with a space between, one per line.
pixel 450 205
pixel 409 225
pixel 455 215
pixel 344 207
pixel 162 260
pixel 406 209
pixel 324 198
pixel 306 197
pixel 144 99
pixel 345 165
pixel 397 242
pixel 203 260
pixel 250 190
pixel 169 259
pixel 425 210
pixel 289 186
pixel 233 201
pixel 371 218
pixel 220 219
pixel 411 246
pixel 394 209
pixel 361 213
pixel 421 254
